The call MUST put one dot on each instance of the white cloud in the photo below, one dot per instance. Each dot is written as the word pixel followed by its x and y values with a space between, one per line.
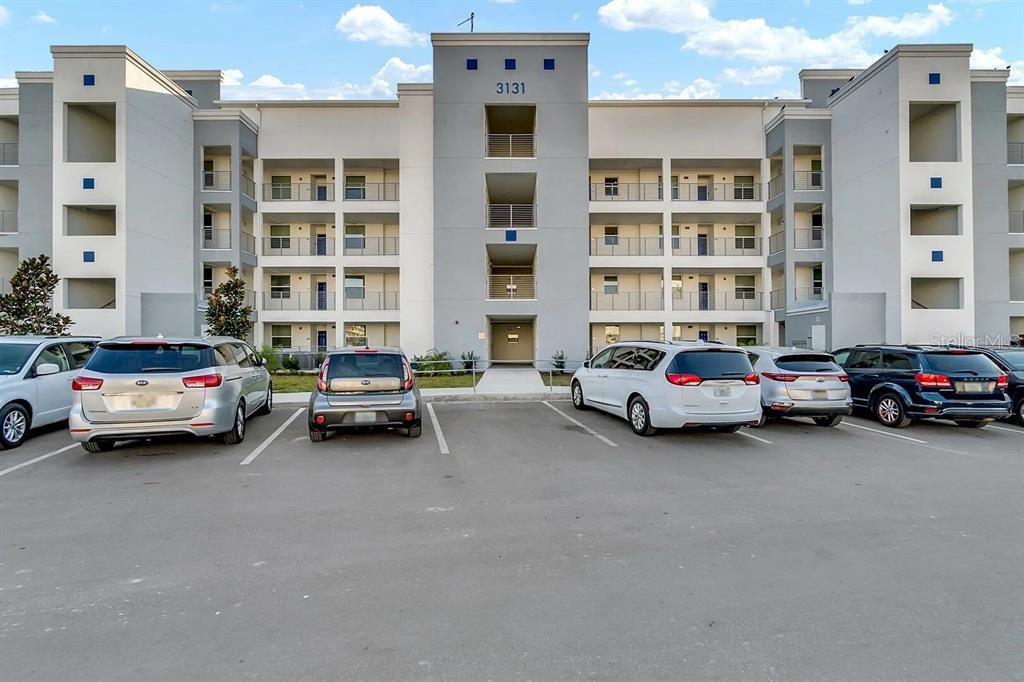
pixel 994 59
pixel 700 88
pixel 756 40
pixel 858 2
pixel 382 85
pixel 373 24
pixel 576 16
pixel 5 15
pixel 593 71
pixel 41 17
pixel 232 77
pixel 759 75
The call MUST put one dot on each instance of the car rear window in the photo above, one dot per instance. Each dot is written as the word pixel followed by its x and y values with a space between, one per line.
pixel 349 365
pixel 140 358
pixel 808 363
pixel 712 364
pixel 961 362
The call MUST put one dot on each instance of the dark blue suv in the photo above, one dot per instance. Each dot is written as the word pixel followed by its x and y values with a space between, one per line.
pixel 901 383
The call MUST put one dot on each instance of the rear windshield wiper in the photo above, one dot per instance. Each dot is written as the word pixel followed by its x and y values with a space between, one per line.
pixel 162 369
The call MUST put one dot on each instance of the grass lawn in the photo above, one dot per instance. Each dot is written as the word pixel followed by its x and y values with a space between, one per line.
pixel 303 383
pixel 556 379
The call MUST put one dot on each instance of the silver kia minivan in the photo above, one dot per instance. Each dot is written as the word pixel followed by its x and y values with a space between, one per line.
pixel 142 387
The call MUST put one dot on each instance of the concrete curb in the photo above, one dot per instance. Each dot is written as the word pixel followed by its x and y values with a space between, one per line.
pixel 441 395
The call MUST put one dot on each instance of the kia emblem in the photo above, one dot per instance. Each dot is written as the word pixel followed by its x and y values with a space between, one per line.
pixel 365 382
pixel 142 382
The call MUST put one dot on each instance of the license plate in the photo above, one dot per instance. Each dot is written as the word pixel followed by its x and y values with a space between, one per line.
pixel 365 417
pixel 819 395
pixel 722 391
pixel 142 401
pixel 974 386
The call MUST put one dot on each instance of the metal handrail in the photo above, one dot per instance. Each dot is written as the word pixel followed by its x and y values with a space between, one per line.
pixel 511 145
pixel 298 246
pixel 778 299
pixel 625 191
pixel 298 191
pixel 808 180
pixel 8 220
pixel 809 294
pixel 247 242
pixel 371 191
pixel 370 246
pixel 776 242
pixel 371 300
pixel 812 238
pixel 511 216
pixel 627 246
pixel 1015 152
pixel 1017 289
pixel 508 287
pixel 214 238
pixel 248 186
pixel 298 300
pixel 627 300
pixel 728 299
pixel 719 191
pixel 8 153
pixel 216 181
pixel 722 246
pixel 776 185
pixel 1016 222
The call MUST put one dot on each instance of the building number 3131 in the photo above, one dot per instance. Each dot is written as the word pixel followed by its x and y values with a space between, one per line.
pixel 511 88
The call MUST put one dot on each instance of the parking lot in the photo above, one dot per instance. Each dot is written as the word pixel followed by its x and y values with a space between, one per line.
pixel 517 540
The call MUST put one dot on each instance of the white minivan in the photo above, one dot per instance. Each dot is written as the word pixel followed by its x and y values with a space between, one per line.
pixel 669 385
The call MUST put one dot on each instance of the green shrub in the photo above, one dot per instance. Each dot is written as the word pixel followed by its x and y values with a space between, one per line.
pixel 290 362
pixel 319 358
pixel 433 362
pixel 469 360
pixel 270 358
pixel 558 359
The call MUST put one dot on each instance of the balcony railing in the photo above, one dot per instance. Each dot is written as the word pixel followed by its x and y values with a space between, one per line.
pixel 776 186
pixel 813 238
pixel 730 299
pixel 723 246
pixel 1017 289
pixel 298 246
pixel 248 186
pixel 216 238
pixel 511 287
pixel 776 242
pixel 216 181
pixel 778 299
pixel 626 246
pixel 808 180
pixel 8 220
pixel 247 242
pixel 301 191
pixel 1015 152
pixel 625 191
pixel 250 296
pixel 627 300
pixel 511 216
pixel 8 153
pixel 371 246
pixel 811 293
pixel 371 300
pixel 724 191
pixel 511 145
pixel 372 191
pixel 298 300
pixel 1017 222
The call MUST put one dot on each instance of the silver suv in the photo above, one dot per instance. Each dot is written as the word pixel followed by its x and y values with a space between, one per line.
pixel 796 382
pixel 35 381
pixel 142 387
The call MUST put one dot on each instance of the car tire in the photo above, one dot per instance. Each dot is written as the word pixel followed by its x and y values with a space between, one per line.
pixel 889 411
pixel 14 425
pixel 237 433
pixel 98 446
pixel 639 415
pixel 268 404
pixel 318 436
pixel 972 423
pixel 729 428
pixel 1018 411
pixel 831 420
pixel 762 420
pixel 414 431
pixel 577 396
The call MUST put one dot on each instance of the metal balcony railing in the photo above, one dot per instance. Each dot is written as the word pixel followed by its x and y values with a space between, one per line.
pixel 511 287
pixel 723 246
pixel 1015 152
pixel 247 242
pixel 372 191
pixel 719 191
pixel 778 299
pixel 511 145
pixel 511 216
pixel 776 242
pixel 301 191
pixel 811 293
pixel 298 246
pixel 216 238
pixel 729 299
pixel 813 238
pixel 625 191
pixel 1016 222
pixel 8 220
pixel 8 153
pixel 1016 289
pixel 776 186
pixel 216 181
pixel 359 299
pixel 627 300
pixel 298 300
pixel 626 246
pixel 808 180
pixel 371 246
pixel 248 186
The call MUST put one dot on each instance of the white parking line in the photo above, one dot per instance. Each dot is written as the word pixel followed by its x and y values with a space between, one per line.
pixel 1003 428
pixel 40 458
pixel 583 426
pixel 442 444
pixel 757 438
pixel 270 439
pixel 884 433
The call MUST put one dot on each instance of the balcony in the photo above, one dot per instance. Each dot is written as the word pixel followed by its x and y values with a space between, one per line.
pixel 8 220
pixel 286 299
pixel 627 300
pixel 776 186
pixel 511 216
pixel 370 246
pixel 777 242
pixel 216 181
pixel 726 246
pixel 811 293
pixel 804 180
pixel 737 299
pixel 511 287
pixel 360 299
pixel 8 153
pixel 214 238
pixel 626 246
pixel 627 191
pixel 248 186
pixel 321 245
pixel 778 299
pixel 511 145
pixel 247 242
pixel 1015 152
pixel 1017 222
pixel 725 191
pixel 1016 289
pixel 813 238
pixel 298 191
pixel 372 191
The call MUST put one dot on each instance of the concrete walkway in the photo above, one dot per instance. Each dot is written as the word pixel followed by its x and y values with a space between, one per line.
pixel 511 381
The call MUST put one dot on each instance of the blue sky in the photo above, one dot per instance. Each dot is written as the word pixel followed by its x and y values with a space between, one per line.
pixel 638 48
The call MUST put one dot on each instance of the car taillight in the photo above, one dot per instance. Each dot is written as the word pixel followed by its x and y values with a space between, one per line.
pixel 1003 381
pixel 928 380
pixel 843 377
pixel 752 379
pixel 775 376
pixel 86 384
pixel 321 378
pixel 683 379
pixel 203 381
pixel 407 376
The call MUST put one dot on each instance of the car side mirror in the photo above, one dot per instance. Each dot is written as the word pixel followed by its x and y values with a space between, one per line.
pixel 414 366
pixel 260 361
pixel 46 369
pixel 586 363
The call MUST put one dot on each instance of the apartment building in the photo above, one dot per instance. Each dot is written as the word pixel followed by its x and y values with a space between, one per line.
pixel 500 211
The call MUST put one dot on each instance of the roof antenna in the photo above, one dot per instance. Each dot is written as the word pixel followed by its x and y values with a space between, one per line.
pixel 470 20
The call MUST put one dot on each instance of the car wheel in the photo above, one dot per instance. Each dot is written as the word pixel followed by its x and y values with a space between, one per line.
pixel 762 420
pixel 237 433
pixel 268 404
pixel 14 425
pixel 577 396
pixel 1018 411
pixel 318 436
pixel 832 420
pixel 414 431
pixel 640 417
pixel 730 428
pixel 98 446
pixel 972 423
pixel 890 412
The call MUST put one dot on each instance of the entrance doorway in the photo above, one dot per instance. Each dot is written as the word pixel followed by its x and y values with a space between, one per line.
pixel 512 341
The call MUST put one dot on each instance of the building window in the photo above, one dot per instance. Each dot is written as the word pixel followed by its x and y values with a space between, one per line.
pixel 549 64
pixel 280 286
pixel 745 290
pixel 88 183
pixel 90 256
pixel 611 333
pixel 675 237
pixel 281 335
pixel 355 287
pixel 746 335
pixel 934 79
pixel 743 187
pixel 936 183
pixel 280 236
pixel 89 79
pixel 510 64
pixel 611 187
pixel 281 187
pixel 355 335
pixel 817 281
pixel 937 256
pixel 207 280
pixel 611 235
pixel 471 65
pixel 355 187
pixel 745 240
pixel 611 284
pixel 355 238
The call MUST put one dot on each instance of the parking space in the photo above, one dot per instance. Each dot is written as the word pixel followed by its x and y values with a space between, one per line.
pixel 517 540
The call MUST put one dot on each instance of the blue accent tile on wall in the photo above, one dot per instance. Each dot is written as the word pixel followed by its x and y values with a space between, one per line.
pixel 88 183
pixel 89 79
pixel 936 183
pixel 549 64
pixel 936 256
pixel 88 256
pixel 934 79
pixel 510 64
pixel 510 235
pixel 471 65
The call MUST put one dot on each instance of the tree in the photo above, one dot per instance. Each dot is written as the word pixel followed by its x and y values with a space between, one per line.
pixel 28 309
pixel 227 313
